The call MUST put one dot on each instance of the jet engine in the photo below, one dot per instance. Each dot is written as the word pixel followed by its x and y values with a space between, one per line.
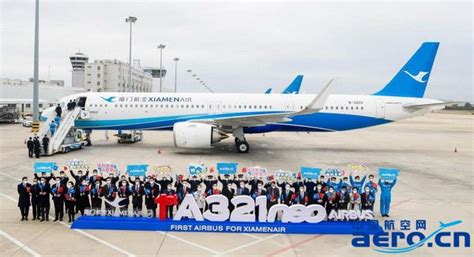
pixel 196 135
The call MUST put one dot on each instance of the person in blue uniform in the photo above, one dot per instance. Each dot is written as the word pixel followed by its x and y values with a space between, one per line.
pixel 356 182
pixel 386 195
pixel 24 192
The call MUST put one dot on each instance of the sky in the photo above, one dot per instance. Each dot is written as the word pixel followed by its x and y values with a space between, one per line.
pixel 249 46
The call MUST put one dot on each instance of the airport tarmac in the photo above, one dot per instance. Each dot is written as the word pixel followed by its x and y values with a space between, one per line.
pixel 435 184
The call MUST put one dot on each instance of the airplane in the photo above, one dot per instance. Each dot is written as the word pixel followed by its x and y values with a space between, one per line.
pixel 200 120
pixel 292 88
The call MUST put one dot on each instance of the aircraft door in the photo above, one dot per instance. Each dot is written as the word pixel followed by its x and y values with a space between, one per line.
pixel 379 109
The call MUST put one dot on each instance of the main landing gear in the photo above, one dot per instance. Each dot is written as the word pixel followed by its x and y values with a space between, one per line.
pixel 242 146
pixel 240 142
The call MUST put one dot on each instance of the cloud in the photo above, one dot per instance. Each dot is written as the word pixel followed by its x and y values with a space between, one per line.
pixel 248 47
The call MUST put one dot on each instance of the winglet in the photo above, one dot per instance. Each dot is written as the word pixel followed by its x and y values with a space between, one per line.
pixel 268 91
pixel 318 102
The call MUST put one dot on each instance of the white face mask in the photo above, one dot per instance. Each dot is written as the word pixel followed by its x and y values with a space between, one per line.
pixel 84 183
pixel 354 192
pixel 287 188
pixel 25 181
pixel 331 190
pixel 123 184
pixel 152 182
pixel 260 187
pixel 58 181
pixel 97 184
pixel 319 187
pixel 108 181
pixel 68 186
pixel 367 189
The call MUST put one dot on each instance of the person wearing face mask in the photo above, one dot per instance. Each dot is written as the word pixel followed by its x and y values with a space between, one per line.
pixel 301 197
pixel 239 180
pixel 194 182
pixel 346 183
pixel 71 197
pixel 226 180
pixel 182 191
pixel 331 200
pixel 260 191
pixel 332 182
pixel 124 192
pixel 367 200
pixel 254 184
pixel 386 195
pixel 357 182
pixel 170 192
pixel 58 191
pixel 30 145
pixel 322 182
pixel 24 191
pixel 372 185
pixel 164 182
pixel 355 201
pixel 35 199
pixel 297 184
pixel 95 177
pixel 137 196
pixel 96 195
pixel 310 185
pixel 286 195
pixel 109 191
pixel 44 190
pixel 209 182
pixel 318 197
pixel 200 197
pixel 242 189
pixel 79 177
pixel 151 190
pixel 273 195
pixel 179 184
pixel 43 175
pixel 229 193
pixel 83 197
pixel 63 178
pixel 343 199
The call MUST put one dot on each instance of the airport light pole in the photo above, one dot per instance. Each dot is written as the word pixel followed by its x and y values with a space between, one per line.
pixel 176 59
pixel 130 20
pixel 35 126
pixel 161 47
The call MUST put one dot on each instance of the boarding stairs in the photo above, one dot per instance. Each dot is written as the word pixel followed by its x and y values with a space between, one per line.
pixel 64 134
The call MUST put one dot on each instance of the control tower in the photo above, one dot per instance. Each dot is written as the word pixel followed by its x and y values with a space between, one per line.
pixel 78 62
pixel 156 73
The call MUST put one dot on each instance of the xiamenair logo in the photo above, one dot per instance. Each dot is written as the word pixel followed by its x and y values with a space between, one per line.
pixel 116 202
pixel 109 99
pixel 418 77
pixel 389 242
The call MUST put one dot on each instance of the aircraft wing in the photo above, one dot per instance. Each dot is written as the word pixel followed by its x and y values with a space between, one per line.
pixel 429 105
pixel 261 119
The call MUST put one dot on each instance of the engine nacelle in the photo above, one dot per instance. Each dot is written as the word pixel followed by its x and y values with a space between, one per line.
pixel 196 135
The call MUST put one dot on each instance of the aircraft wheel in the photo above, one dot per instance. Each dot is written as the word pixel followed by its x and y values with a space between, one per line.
pixel 242 147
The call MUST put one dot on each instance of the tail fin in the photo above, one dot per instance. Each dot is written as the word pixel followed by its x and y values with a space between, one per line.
pixel 268 91
pixel 412 79
pixel 294 87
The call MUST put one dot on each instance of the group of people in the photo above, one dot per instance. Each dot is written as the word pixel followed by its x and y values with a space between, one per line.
pixel 33 144
pixel 89 192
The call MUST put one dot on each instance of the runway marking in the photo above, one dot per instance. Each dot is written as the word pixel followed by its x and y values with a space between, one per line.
pixel 250 235
pixel 188 242
pixel 20 244
pixel 10 176
pixel 317 236
pixel 247 245
pixel 82 232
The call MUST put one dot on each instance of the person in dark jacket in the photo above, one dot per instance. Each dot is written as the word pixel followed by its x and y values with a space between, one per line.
pixel 37 147
pixel 71 198
pixel 137 196
pixel 124 192
pixel 109 191
pixel 31 147
pixel 83 197
pixel 169 208
pixel 229 193
pixel 44 190
pixel 45 144
pixel 286 194
pixel 194 182
pixel 35 199
pixel 58 191
pixel 273 195
pixel 152 190
pixel 58 111
pixel 79 177
pixel 24 192
pixel 343 199
pixel 96 195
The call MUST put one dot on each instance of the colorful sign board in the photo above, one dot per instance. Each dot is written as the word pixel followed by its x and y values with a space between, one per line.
pixel 310 172
pixel 137 170
pixel 226 167
pixel 107 167
pixel 388 173
pixel 46 167
pixel 77 165
pixel 196 169
pixel 256 171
